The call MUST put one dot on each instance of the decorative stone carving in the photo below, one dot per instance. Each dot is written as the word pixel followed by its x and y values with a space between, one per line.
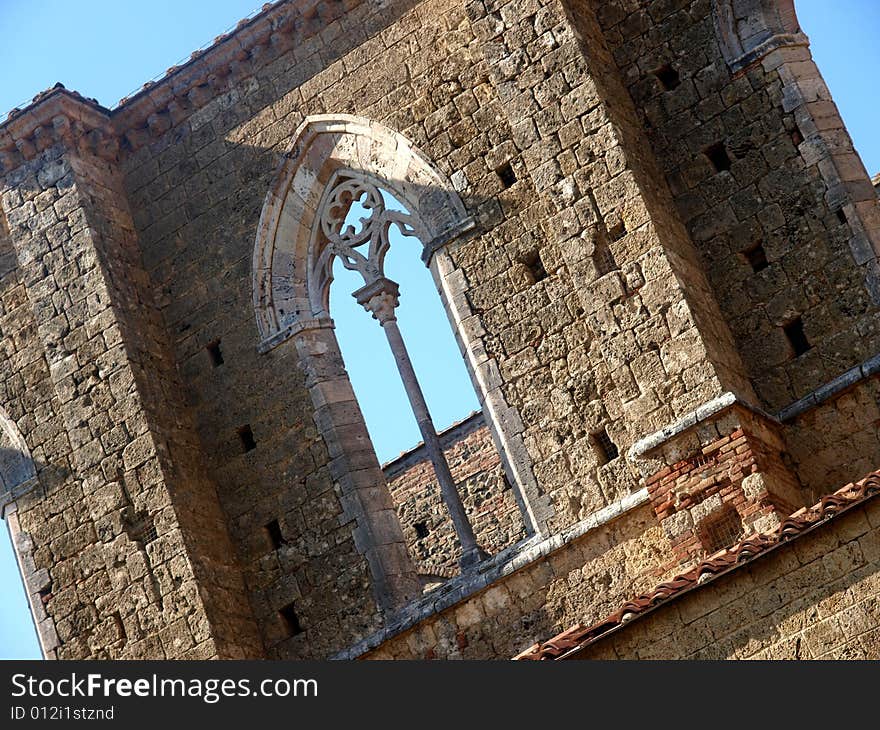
pixel 380 299
pixel 361 248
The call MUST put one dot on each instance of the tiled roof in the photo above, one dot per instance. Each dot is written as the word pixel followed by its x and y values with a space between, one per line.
pixel 802 521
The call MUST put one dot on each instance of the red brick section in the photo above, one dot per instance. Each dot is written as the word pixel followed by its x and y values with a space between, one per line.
pixel 719 469
pixel 488 499
pixel 568 643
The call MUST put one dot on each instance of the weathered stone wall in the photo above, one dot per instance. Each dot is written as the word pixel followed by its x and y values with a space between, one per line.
pixel 585 312
pixel 120 561
pixel 584 581
pixel 586 350
pixel 792 186
pixel 485 492
pixel 837 440
pixel 815 598
pixel 773 194
pixel 196 193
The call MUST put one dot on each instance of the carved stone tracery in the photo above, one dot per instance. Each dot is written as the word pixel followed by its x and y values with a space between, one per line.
pixel 362 248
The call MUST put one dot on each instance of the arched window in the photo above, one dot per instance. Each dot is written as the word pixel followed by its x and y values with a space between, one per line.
pixel 429 338
pixel 338 163
pixel 356 228
pixel 18 477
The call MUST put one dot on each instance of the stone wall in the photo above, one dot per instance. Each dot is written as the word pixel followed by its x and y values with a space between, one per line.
pixel 557 346
pixel 485 492
pixel 785 219
pixel 617 174
pixel 773 194
pixel 583 581
pixel 109 539
pixel 815 598
pixel 838 440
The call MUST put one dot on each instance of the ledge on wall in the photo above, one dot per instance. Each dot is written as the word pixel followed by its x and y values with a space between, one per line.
pixel 577 638
pixel 505 563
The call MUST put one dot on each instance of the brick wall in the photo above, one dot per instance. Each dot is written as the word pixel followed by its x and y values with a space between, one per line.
pixel 720 480
pixel 488 499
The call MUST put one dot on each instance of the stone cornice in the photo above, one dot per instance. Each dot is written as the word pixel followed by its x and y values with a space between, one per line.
pixel 711 409
pixel 57 116
pixel 164 103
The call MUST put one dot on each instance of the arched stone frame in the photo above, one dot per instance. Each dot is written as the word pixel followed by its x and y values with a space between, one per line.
pixel 18 477
pixel 750 29
pixel 287 311
pixel 767 32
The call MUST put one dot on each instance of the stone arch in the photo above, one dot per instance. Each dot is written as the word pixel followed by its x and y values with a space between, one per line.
pixel 750 29
pixel 18 474
pixel 324 144
pixel 289 309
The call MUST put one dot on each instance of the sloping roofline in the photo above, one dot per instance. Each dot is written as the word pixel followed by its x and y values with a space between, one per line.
pixel 568 643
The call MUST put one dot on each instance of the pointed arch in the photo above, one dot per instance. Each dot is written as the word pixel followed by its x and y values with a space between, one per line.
pixel 325 144
pixel 750 29
pixel 18 474
pixel 290 305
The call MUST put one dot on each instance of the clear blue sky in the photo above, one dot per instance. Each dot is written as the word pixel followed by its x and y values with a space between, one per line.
pixel 107 48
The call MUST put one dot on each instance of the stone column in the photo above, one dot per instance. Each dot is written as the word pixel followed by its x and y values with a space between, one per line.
pixel 381 298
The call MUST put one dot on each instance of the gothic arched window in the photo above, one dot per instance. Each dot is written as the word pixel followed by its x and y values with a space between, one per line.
pixel 338 164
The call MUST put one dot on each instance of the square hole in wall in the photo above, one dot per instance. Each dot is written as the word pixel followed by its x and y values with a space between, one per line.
pixel 120 626
pixel 756 257
pixel 794 331
pixel 142 529
pixel 605 448
pixel 45 594
pixel 215 353
pixel 717 155
pixel 797 137
pixel 841 215
pixel 506 175
pixel 668 77
pixel 246 436
pixel 721 530
pixel 421 530
pixel 290 621
pixel 535 265
pixel 617 231
pixel 273 532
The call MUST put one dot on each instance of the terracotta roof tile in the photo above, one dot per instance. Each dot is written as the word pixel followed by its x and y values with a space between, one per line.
pixel 802 521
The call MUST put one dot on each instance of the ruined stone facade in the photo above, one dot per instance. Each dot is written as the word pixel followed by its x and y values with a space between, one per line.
pixel 656 246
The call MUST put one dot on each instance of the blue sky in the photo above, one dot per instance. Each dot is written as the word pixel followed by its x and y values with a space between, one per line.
pixel 107 48
pixel 429 340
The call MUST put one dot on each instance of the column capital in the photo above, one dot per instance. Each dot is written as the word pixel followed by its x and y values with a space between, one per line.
pixel 380 297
